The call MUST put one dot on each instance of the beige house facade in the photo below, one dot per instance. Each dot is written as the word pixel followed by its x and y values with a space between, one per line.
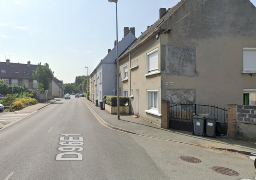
pixel 197 52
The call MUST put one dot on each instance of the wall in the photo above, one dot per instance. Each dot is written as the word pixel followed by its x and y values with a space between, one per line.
pixel 140 81
pixel 242 121
pixel 213 33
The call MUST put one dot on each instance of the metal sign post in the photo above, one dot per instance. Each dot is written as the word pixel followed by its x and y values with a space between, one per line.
pixel 46 92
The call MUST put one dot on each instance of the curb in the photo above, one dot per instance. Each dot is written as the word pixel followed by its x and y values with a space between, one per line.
pixel 110 126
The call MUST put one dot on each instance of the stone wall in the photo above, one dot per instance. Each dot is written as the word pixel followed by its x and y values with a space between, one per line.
pixel 242 121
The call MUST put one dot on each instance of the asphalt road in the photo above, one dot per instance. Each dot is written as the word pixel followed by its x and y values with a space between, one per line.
pixel 66 141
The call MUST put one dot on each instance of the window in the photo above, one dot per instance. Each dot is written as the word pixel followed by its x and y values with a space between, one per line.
pixel 6 81
pixel 134 63
pixel 249 60
pixel 34 84
pixel 152 99
pixel 125 70
pixel 15 82
pixel 3 71
pixel 125 93
pixel 25 81
pixel 152 60
pixel 249 97
pixel 100 77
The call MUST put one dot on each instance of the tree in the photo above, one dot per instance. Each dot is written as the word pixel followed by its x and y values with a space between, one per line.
pixel 44 75
pixel 40 87
pixel 69 88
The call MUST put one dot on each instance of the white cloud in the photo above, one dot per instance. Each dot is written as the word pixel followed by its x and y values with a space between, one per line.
pixel 23 28
pixel 17 2
pixel 3 36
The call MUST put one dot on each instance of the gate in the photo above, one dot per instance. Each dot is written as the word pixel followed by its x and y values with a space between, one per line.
pixel 181 115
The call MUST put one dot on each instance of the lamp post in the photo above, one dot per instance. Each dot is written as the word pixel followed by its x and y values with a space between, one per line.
pixel 87 85
pixel 117 63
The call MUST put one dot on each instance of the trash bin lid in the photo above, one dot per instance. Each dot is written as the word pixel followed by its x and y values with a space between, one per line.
pixel 209 116
pixel 197 117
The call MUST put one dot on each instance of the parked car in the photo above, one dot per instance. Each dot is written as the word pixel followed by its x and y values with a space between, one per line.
pixel 67 96
pixel 77 96
pixel 81 95
pixel 1 108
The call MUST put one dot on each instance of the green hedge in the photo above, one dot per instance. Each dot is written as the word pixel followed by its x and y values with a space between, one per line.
pixel 112 100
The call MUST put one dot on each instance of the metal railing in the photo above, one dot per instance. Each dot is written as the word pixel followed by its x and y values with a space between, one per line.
pixel 187 111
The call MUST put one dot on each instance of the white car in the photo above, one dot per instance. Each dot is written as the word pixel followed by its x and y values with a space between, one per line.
pixel 67 96
pixel 1 108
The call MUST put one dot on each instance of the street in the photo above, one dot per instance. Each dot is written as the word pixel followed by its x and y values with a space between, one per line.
pixel 66 141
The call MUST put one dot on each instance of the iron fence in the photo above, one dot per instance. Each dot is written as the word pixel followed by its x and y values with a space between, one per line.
pixel 185 112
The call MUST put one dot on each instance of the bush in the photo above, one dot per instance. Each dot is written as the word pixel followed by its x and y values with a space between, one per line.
pixel 28 101
pixel 18 105
pixel 7 100
pixel 112 100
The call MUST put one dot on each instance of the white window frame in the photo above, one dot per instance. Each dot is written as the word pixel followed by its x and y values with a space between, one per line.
pixel 125 93
pixel 152 61
pixel 153 102
pixel 14 84
pixel 134 63
pixel 34 84
pixel 252 96
pixel 100 77
pixel 249 60
pixel 25 81
pixel 125 72
pixel 6 81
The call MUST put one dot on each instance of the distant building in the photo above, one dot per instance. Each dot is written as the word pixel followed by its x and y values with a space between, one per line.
pixel 18 74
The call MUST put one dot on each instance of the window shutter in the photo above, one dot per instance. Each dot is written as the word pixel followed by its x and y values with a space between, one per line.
pixel 153 61
pixel 249 61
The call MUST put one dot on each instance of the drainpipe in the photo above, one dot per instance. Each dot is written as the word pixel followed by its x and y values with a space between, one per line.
pixel 130 83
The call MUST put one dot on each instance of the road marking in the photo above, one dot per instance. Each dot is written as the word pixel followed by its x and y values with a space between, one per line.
pixel 61 115
pixel 10 175
pixel 50 129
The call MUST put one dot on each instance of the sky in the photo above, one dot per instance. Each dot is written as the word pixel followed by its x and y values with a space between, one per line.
pixel 70 35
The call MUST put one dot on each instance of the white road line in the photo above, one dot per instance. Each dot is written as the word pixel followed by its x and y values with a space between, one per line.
pixel 10 175
pixel 50 129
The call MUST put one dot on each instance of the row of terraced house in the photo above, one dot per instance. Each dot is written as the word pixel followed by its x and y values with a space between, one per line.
pixel 197 52
pixel 19 74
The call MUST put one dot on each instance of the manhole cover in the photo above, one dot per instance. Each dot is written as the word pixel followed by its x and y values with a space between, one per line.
pixel 190 159
pixel 225 171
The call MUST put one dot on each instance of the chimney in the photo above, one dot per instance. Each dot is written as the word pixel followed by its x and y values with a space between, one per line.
pixel 115 43
pixel 162 12
pixel 126 31
pixel 132 29
pixel 28 64
pixel 7 61
pixel 148 27
pixel 109 50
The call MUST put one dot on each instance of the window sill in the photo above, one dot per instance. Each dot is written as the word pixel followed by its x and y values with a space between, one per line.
pixel 249 72
pixel 152 73
pixel 135 67
pixel 153 112
pixel 125 79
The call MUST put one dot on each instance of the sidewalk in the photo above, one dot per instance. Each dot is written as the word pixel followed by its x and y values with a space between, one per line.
pixel 142 127
pixel 9 118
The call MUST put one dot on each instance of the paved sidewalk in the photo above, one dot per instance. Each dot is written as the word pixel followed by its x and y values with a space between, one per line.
pixel 146 128
pixel 9 118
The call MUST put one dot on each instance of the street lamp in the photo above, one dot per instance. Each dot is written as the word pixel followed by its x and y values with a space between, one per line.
pixel 117 63
pixel 87 85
